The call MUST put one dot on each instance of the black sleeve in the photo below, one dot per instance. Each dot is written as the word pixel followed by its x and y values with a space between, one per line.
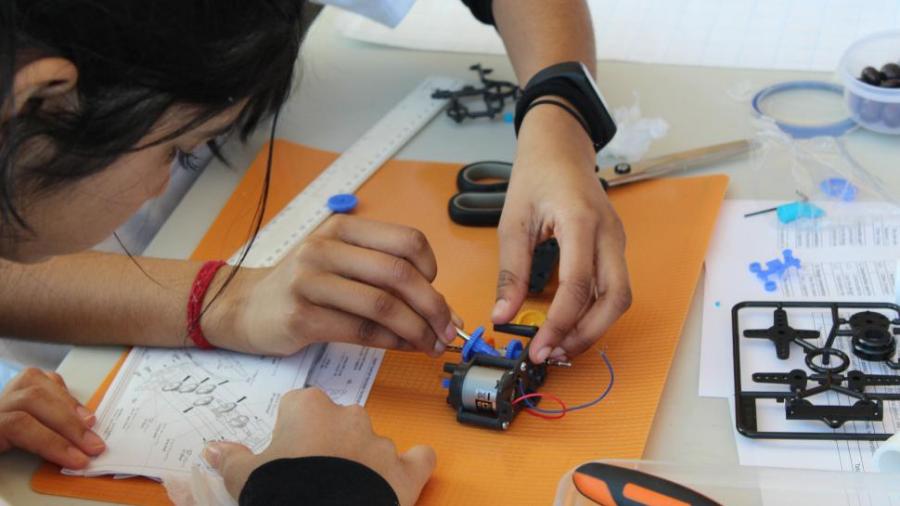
pixel 482 10
pixel 326 481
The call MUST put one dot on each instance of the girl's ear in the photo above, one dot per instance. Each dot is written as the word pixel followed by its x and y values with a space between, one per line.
pixel 43 78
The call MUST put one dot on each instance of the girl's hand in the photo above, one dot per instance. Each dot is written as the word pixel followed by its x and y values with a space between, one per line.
pixel 555 192
pixel 38 415
pixel 353 280
pixel 310 424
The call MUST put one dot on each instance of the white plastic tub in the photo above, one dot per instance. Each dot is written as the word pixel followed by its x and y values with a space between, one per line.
pixel 872 107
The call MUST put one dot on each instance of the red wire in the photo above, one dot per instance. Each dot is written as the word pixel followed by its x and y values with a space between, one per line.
pixel 541 395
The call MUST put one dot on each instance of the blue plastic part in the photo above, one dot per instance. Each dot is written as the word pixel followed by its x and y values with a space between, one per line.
pixel 798 131
pixel 796 210
pixel 513 349
pixel 445 383
pixel 839 188
pixel 775 269
pixel 509 118
pixel 342 202
pixel 476 344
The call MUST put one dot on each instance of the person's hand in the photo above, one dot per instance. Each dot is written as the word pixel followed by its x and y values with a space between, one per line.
pixel 352 280
pixel 38 415
pixel 310 424
pixel 554 191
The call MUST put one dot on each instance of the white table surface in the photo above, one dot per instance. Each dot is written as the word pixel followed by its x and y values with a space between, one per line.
pixel 347 86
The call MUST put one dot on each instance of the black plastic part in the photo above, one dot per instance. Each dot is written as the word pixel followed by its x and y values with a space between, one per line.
pixel 543 265
pixel 493 94
pixel 516 329
pixel 781 334
pixel 616 478
pixel 867 404
pixel 833 416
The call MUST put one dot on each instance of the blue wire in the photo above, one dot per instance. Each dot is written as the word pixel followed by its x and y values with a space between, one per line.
pixel 612 379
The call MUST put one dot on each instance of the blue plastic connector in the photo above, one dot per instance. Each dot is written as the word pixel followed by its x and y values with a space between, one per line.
pixel 796 210
pixel 513 349
pixel 476 344
pixel 839 188
pixel 775 269
pixel 342 202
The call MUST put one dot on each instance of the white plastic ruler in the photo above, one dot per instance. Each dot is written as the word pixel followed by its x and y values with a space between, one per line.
pixel 381 142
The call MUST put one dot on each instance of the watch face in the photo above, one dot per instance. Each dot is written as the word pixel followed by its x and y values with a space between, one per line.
pixel 590 79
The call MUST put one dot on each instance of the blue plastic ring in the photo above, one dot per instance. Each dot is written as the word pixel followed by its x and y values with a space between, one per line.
pixel 342 202
pixel 804 131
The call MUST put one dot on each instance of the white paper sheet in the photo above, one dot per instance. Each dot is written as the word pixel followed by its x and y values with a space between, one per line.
pixel 765 34
pixel 164 405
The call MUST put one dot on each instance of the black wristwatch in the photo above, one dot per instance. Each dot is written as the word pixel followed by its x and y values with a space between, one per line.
pixel 573 82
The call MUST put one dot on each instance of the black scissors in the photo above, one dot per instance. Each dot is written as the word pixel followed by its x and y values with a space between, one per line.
pixel 482 185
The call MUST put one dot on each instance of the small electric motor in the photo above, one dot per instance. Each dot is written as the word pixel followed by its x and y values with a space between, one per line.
pixel 485 382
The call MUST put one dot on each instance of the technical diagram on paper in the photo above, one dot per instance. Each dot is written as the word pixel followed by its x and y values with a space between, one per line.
pixel 165 405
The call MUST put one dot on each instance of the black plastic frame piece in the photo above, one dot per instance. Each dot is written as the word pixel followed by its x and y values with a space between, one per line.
pixel 830 376
pixel 493 92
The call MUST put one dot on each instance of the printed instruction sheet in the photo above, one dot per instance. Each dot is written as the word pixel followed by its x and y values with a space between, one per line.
pixel 849 255
pixel 165 405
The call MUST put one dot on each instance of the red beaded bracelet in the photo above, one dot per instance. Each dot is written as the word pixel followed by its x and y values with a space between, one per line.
pixel 195 302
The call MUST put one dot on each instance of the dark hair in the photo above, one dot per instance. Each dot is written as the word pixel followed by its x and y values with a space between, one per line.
pixel 136 59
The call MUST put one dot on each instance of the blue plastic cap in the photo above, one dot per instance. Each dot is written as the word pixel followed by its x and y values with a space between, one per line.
pixel 445 383
pixel 342 202
pixel 839 188
pixel 476 344
pixel 513 349
pixel 796 210
pixel 770 286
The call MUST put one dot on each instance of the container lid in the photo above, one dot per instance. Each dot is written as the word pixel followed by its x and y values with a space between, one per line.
pixel 805 109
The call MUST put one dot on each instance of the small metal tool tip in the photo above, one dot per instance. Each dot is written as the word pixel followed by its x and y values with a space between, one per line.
pixel 559 363
pixel 462 334
pixel 454 349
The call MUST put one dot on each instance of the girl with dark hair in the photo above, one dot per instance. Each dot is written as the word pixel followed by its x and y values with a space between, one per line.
pixel 97 97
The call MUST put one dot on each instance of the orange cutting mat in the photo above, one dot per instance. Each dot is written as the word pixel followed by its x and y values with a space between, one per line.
pixel 668 222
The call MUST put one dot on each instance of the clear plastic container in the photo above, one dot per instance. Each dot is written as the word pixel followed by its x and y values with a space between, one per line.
pixel 746 486
pixel 872 107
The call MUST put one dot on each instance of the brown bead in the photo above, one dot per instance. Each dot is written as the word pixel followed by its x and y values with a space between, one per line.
pixel 871 75
pixel 891 71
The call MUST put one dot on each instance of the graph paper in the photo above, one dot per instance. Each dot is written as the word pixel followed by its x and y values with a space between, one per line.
pixel 760 34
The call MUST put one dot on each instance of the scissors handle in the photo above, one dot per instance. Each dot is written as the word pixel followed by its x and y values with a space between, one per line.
pixel 609 485
pixel 488 176
pixel 478 209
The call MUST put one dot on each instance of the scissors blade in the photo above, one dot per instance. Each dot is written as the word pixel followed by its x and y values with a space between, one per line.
pixel 681 161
